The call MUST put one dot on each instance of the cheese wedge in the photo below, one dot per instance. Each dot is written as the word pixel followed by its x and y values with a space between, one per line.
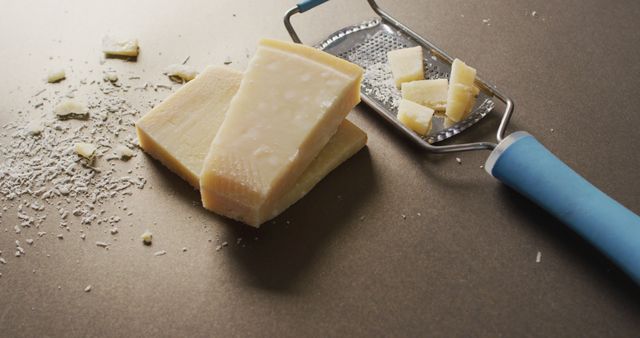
pixel 406 64
pixel 415 116
pixel 460 95
pixel 290 103
pixel 461 90
pixel 429 93
pixel 458 103
pixel 179 131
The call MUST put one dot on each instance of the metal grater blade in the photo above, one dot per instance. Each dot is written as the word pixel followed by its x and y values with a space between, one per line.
pixel 367 45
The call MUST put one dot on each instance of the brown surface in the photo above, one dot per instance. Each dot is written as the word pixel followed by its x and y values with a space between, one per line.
pixel 465 267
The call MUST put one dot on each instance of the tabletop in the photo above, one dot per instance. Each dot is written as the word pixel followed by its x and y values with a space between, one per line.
pixel 394 242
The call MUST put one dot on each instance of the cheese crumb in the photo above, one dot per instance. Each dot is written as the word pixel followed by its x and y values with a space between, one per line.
pixel 160 253
pixel 69 109
pixel 120 47
pixel 147 237
pixel 86 150
pixel 88 288
pixel 35 127
pixel 102 244
pixel 124 152
pixel 111 77
pixel 181 73
pixel 56 75
pixel 538 257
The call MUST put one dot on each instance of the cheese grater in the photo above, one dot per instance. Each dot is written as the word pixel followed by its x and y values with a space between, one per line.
pixel 518 160
pixel 367 44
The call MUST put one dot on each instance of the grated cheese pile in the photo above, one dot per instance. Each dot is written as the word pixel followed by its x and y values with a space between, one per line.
pixel 43 178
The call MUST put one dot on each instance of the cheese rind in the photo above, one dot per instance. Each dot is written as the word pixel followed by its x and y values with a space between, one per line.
pixel 179 131
pixel 290 103
pixel 416 117
pixel 461 90
pixel 429 93
pixel 406 64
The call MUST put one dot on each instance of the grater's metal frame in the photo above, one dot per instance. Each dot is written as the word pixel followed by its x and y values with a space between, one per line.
pixel 388 19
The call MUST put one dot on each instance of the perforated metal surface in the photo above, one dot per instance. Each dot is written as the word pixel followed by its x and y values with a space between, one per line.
pixel 367 45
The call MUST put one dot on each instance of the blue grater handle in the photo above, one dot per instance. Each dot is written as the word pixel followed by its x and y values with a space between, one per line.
pixel 524 164
pixel 306 5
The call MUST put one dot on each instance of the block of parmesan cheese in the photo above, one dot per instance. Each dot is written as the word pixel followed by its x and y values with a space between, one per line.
pixel 179 131
pixel 429 93
pixel 406 64
pixel 290 103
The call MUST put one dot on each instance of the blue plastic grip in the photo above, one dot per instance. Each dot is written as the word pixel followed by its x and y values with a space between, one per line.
pixel 306 5
pixel 524 164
